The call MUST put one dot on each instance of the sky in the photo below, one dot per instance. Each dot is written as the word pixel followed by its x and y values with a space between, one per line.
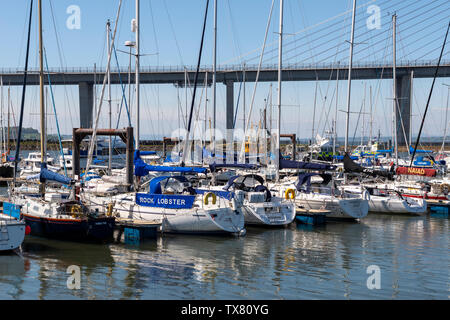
pixel 315 32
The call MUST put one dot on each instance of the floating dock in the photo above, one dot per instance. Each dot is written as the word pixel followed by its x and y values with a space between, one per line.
pixel 135 231
pixel 311 216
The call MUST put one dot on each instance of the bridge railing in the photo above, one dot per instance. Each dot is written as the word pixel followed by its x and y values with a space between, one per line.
pixel 233 67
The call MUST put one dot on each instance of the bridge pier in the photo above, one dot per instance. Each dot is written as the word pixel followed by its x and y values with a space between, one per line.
pixel 403 125
pixel 86 101
pixel 230 120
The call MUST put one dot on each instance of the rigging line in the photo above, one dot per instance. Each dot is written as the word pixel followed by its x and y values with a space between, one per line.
pixel 124 99
pixel 62 61
pixel 429 96
pixel 412 26
pixel 22 105
pixel 380 34
pixel 173 33
pixel 300 31
pixel 430 50
pixel 361 26
pixel 185 150
pixel 94 134
pixel 54 111
pixel 24 30
pixel 256 82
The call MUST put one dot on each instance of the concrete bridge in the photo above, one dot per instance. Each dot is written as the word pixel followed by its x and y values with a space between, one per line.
pixel 84 77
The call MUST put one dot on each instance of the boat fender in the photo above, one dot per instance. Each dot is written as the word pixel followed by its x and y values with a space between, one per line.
pixel 75 211
pixel 366 195
pixel 208 195
pixel 289 194
pixel 109 209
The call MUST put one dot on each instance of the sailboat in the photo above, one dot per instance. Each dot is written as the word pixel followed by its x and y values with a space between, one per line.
pixel 50 215
pixel 259 206
pixel 343 206
pixel 170 197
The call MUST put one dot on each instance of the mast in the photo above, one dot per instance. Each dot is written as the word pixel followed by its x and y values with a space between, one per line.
pixel 214 77
pixel 335 111
pixel 314 111
pixel 1 116
pixel 137 73
pixel 394 83
pixel 280 61
pixel 371 115
pixel 9 122
pixel 108 41
pixel 446 121
pixel 350 63
pixel 41 96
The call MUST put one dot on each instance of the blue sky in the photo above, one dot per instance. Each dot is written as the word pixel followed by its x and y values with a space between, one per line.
pixel 315 31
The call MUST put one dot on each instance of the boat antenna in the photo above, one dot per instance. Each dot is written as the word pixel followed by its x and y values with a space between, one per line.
pixel 429 96
pixel 24 87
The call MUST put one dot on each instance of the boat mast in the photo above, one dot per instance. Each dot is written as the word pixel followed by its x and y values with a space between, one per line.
pixel 137 74
pixel 1 116
pixel 335 112
pixel 446 121
pixel 214 78
pixel 108 41
pixel 371 116
pixel 350 63
pixel 9 120
pixel 280 52
pixel 41 95
pixel 394 83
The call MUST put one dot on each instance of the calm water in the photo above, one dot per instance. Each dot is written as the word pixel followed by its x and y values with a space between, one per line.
pixel 298 262
pixel 294 263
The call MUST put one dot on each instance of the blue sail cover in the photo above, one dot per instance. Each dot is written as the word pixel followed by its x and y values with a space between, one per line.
pixel 142 169
pixel 289 164
pixel 411 150
pixel 214 166
pixel 147 153
pixel 46 175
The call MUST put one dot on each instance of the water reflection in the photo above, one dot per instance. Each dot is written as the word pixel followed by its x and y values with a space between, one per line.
pixel 298 262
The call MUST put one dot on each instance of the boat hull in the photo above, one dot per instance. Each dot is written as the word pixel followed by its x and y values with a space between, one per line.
pixel 12 234
pixel 268 214
pixel 86 229
pixel 397 206
pixel 341 209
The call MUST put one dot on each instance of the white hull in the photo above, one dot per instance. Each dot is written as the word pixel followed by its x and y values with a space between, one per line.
pixel 200 219
pixel 398 206
pixel 12 234
pixel 269 213
pixel 341 208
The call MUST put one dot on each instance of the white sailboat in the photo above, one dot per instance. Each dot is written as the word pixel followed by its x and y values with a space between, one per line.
pixel 385 200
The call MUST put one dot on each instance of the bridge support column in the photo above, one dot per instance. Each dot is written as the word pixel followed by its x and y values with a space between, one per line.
pixel 230 120
pixel 86 101
pixel 403 112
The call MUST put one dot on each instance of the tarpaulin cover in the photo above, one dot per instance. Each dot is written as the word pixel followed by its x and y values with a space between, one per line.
pixel 351 166
pixel 142 169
